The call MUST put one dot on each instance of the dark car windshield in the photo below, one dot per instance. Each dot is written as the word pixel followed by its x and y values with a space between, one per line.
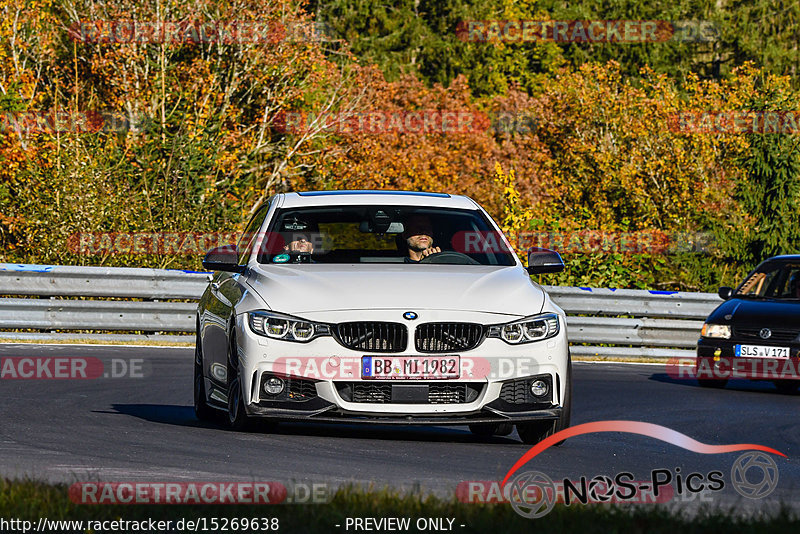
pixel 382 234
pixel 775 280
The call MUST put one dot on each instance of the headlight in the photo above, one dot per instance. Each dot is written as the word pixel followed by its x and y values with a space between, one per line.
pixel 526 330
pixel 286 327
pixel 716 330
pixel 539 388
pixel 273 385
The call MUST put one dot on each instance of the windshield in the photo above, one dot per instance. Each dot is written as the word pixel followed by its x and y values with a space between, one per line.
pixel 776 280
pixel 383 234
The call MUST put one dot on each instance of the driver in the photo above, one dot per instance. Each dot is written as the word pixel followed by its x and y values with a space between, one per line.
pixel 794 286
pixel 418 234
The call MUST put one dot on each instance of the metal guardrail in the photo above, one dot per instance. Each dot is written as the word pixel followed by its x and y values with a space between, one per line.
pixel 109 315
pixel 601 322
pixel 122 282
pixel 82 308
pixel 634 302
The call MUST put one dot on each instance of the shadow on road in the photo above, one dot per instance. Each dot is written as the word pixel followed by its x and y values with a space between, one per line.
pixel 761 386
pixel 184 416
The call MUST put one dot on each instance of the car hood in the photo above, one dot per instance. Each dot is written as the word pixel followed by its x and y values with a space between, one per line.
pixel 312 288
pixel 757 313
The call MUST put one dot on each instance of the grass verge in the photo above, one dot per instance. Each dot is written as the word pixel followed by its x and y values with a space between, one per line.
pixel 31 500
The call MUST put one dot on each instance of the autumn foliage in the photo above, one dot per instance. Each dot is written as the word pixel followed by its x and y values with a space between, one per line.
pixel 200 142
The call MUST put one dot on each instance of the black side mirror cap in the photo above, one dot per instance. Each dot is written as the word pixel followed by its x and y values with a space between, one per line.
pixel 543 260
pixel 725 292
pixel 224 258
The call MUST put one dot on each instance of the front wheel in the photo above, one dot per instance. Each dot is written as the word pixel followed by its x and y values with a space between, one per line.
pixel 202 410
pixel 237 415
pixel 486 430
pixel 483 430
pixel 533 433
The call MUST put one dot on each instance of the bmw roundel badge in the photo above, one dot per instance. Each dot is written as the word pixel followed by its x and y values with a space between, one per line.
pixel 410 316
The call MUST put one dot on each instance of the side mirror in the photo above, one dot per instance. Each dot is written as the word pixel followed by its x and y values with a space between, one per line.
pixel 224 258
pixel 542 260
pixel 725 292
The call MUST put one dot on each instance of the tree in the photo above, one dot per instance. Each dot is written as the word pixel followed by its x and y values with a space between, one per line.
pixel 769 194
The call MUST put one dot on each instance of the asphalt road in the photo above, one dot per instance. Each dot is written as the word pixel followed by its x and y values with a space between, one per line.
pixel 143 429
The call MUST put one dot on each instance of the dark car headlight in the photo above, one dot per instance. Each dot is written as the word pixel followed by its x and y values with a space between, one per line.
pixel 722 331
pixel 286 327
pixel 527 330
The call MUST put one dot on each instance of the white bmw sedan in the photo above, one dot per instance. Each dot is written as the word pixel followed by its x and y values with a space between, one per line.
pixel 383 307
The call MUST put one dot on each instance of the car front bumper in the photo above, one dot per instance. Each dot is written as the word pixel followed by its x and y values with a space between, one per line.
pixel 717 360
pixel 717 347
pixel 494 388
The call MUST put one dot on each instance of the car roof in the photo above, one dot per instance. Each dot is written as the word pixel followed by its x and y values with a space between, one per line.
pixel 784 257
pixel 376 197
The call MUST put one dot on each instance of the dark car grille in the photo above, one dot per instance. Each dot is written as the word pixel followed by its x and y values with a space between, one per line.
pixel 453 393
pixel 372 393
pixel 296 390
pixel 780 335
pixel 518 391
pixel 447 394
pixel 448 337
pixel 300 390
pixel 515 392
pixel 373 336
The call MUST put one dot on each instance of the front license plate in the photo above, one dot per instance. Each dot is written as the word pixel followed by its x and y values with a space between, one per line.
pixel 761 351
pixel 410 367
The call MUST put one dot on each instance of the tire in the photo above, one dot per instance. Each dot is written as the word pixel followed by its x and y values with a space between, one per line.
pixel 483 430
pixel 202 410
pixel 787 387
pixel 716 383
pixel 533 433
pixel 504 429
pixel 237 415
pixel 486 430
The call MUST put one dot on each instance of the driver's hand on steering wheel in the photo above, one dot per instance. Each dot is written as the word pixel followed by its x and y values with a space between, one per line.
pixel 430 250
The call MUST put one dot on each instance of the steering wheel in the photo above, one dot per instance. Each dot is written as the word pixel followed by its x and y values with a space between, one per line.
pixel 451 257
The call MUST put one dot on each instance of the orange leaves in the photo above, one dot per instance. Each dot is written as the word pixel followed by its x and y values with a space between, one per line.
pixel 615 154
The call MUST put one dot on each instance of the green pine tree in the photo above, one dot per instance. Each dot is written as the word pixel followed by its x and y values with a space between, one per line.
pixel 768 193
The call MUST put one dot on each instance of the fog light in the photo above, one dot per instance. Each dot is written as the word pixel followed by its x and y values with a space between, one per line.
pixel 273 385
pixel 539 388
